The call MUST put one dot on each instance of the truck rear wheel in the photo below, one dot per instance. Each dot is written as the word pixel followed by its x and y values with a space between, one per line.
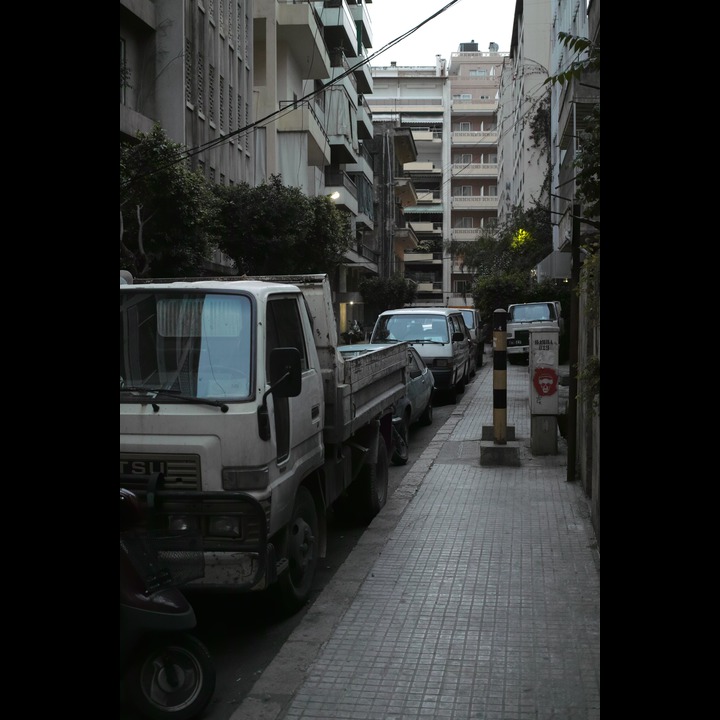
pixel 300 547
pixel 373 483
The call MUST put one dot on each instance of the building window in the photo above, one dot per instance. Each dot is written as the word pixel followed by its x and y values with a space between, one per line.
pixel 247 122
pixel 188 71
pixel 461 158
pixel 462 191
pixel 231 105
pixel 478 73
pixel 222 103
pixel 465 127
pixel 200 83
pixel 463 223
pixel 239 114
pixel 211 93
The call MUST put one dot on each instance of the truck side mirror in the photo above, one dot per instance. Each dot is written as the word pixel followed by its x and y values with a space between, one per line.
pixel 285 381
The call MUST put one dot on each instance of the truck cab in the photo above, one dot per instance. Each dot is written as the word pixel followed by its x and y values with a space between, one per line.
pixel 521 317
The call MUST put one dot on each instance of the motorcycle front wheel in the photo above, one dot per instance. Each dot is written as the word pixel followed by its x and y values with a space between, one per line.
pixel 170 676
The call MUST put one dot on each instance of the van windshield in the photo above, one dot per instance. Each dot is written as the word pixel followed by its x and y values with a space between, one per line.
pixel 411 328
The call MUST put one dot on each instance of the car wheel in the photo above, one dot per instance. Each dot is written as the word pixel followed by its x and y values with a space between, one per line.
pixel 400 442
pixel 426 417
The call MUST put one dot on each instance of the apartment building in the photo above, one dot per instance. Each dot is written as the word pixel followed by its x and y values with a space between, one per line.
pixel 473 174
pixel 417 99
pixel 452 112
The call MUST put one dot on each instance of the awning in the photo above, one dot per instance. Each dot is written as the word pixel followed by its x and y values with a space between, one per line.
pixel 423 209
pixel 420 119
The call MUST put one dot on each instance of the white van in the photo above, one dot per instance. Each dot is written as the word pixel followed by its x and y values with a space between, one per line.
pixel 440 336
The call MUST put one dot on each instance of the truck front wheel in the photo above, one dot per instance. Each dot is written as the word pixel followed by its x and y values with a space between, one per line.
pixel 300 547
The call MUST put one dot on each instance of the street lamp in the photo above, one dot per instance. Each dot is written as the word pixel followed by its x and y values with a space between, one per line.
pixel 334 196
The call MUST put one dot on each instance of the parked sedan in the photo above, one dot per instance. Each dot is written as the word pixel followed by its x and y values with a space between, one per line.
pixel 415 406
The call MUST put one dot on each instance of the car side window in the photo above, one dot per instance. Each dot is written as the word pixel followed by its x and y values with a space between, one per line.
pixel 413 366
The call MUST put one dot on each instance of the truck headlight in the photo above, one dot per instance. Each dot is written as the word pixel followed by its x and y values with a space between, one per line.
pixel 182 522
pixel 224 526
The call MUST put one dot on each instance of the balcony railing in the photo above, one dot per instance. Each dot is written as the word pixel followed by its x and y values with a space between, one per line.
pixel 475 137
pixel 477 202
pixel 475 169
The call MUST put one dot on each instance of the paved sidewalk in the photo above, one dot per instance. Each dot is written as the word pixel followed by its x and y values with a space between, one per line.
pixel 474 594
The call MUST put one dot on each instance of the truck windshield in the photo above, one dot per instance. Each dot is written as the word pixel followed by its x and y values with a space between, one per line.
pixel 192 343
pixel 529 313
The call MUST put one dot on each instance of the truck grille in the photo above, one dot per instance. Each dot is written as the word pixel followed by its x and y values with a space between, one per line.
pixel 181 472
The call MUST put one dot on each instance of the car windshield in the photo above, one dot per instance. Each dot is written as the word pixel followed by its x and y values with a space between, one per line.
pixel 411 328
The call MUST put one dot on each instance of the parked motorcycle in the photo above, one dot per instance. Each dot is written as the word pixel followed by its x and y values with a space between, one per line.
pixel 165 670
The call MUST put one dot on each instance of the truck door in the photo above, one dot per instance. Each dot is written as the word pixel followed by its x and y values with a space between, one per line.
pixel 293 416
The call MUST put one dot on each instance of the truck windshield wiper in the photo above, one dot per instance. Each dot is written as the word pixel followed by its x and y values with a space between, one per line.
pixel 154 392
pixel 427 340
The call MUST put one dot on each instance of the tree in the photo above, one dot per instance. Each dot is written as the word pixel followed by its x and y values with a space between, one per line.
pixel 381 294
pixel 276 229
pixel 166 210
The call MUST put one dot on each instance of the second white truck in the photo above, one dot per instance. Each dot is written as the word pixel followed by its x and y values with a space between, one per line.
pixel 521 317
pixel 239 419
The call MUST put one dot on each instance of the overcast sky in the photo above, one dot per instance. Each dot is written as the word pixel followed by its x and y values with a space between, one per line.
pixel 480 21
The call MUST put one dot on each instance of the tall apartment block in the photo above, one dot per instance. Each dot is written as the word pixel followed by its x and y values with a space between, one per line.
pixel 474 84
pixel 452 112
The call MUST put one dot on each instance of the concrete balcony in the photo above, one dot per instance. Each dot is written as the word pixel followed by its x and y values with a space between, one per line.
pixel 348 82
pixel 339 181
pixel 475 202
pixel 474 137
pixel 405 192
pixel 426 227
pixel 303 119
pixel 363 77
pixel 298 28
pixel 423 167
pixel 424 257
pixel 474 107
pixel 364 120
pixel 132 122
pixel 363 22
pixel 465 234
pixel 427 136
pixel 339 25
pixel 363 164
pixel 406 105
pixel 474 170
